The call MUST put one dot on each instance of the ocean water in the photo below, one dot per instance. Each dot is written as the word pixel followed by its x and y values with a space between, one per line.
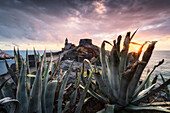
pixel 11 61
pixel 157 56
pixel 164 69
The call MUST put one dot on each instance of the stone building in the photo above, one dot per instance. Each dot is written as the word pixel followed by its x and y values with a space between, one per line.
pixel 68 45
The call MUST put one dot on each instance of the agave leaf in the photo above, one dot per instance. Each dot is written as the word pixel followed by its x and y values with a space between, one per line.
pixel 7 99
pixel 118 44
pixel 131 59
pixel 72 100
pixel 144 82
pixel 135 43
pixel 103 88
pixel 124 52
pixel 102 111
pixel 132 107
pixel 36 58
pixel 55 68
pixel 91 91
pixel 35 96
pixel 166 88
pixel 156 104
pixel 29 83
pixel 27 62
pixel 73 96
pixel 153 91
pixel 141 67
pixel 44 84
pixel 45 61
pixel 95 95
pixel 21 94
pixel 3 83
pixel 39 56
pixel 155 79
pixel 19 60
pixel 16 60
pixel 82 97
pixel 148 82
pixel 142 93
pixel 12 73
pixel 60 97
pixel 140 49
pixel 114 70
pixel 11 107
pixel 104 69
pixel 50 95
pixel 125 81
pixel 133 34
pixel 109 109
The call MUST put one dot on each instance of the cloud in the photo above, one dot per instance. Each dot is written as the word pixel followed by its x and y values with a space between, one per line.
pixel 15 44
pixel 51 21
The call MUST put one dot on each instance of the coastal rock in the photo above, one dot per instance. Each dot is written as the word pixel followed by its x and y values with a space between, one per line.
pixel 70 55
pixel 85 50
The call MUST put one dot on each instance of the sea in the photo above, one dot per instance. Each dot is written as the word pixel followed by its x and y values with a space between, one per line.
pixel 157 56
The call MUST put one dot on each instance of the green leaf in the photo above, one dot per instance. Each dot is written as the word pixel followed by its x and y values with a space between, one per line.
pixel 166 88
pixel 141 67
pixel 27 62
pixel 50 96
pixel 21 94
pixel 142 93
pixel 124 53
pixel 124 84
pixel 132 107
pixel 82 97
pixel 157 89
pixel 12 73
pixel 133 34
pixel 96 95
pixel 108 109
pixel 114 71
pixel 44 85
pixel 55 68
pixel 3 83
pixel 104 69
pixel 148 81
pixel 60 98
pixel 145 81
pixel 35 96
pixel 8 99
pixel 16 60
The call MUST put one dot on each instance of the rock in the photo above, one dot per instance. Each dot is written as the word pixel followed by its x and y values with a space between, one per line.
pixel 70 55
pixel 69 46
pixel 85 50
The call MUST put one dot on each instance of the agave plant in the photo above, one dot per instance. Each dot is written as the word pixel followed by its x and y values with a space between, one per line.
pixel 118 84
pixel 36 93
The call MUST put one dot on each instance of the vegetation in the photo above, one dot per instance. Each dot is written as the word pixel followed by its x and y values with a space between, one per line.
pixel 36 93
pixel 117 85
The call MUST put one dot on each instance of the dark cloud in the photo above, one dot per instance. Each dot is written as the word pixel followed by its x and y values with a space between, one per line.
pixel 53 20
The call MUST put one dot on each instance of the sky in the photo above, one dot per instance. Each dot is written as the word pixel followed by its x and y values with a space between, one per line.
pixel 44 24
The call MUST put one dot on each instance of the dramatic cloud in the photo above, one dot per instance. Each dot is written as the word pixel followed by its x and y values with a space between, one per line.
pixel 46 23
